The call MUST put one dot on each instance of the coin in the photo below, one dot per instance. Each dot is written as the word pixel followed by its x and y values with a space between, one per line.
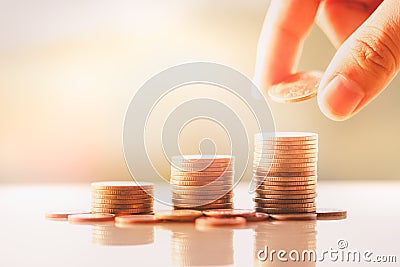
pixel 206 206
pixel 296 87
pixel 286 196
pixel 285 206
pixel 122 211
pixel 201 183
pixel 121 185
pixel 286 188
pixel 122 192
pixel 195 169
pixel 273 156
pixel 286 136
pixel 283 201
pixel 287 174
pixel 285 161
pixel 285 210
pixel 210 159
pixel 284 166
pixel 122 201
pixel 285 142
pixel 209 187
pixel 199 202
pixel 285 192
pixel 257 217
pixel 295 216
pixel 331 214
pixel 287 183
pixel 228 212
pixel 123 206
pixel 178 215
pixel 135 219
pixel 200 194
pixel 275 147
pixel 88 218
pixel 63 214
pixel 283 152
pixel 213 221
pixel 285 179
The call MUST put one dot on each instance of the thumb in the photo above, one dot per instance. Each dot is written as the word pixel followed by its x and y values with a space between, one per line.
pixel 364 65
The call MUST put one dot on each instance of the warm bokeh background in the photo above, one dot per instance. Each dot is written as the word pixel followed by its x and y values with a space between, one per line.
pixel 68 70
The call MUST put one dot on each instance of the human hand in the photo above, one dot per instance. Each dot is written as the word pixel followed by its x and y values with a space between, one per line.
pixel 366 33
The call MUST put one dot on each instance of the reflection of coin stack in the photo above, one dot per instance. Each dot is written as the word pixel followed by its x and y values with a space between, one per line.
pixel 289 236
pixel 285 166
pixel 122 197
pixel 110 235
pixel 202 181
pixel 191 247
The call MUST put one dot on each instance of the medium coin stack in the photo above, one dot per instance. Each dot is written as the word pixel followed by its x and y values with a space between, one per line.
pixel 285 167
pixel 202 182
pixel 122 197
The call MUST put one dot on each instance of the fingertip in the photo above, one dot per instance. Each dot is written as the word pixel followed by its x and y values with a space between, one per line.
pixel 340 99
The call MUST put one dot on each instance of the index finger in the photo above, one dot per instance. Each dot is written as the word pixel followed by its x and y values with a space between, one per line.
pixel 286 25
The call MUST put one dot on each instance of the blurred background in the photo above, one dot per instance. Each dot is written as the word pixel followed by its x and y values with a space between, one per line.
pixel 69 69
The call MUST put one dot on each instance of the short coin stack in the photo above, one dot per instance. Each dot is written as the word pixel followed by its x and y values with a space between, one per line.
pixel 122 197
pixel 285 167
pixel 202 181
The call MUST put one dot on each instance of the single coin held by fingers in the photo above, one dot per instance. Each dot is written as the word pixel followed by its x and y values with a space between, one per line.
pixel 296 87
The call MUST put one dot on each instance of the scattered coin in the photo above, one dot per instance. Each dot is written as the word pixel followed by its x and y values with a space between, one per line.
pixel 178 215
pixel 257 217
pixel 135 219
pixel 89 218
pixel 294 216
pixel 63 214
pixel 331 214
pixel 296 87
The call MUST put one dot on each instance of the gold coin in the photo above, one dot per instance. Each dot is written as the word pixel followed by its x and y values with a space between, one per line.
pixel 283 201
pixel 122 185
pixel 122 211
pixel 178 215
pixel 331 214
pixel 296 87
pixel 285 192
pixel 122 201
pixel 287 188
pixel 286 196
pixel 286 210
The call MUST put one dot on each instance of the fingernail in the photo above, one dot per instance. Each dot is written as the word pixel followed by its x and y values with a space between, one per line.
pixel 340 98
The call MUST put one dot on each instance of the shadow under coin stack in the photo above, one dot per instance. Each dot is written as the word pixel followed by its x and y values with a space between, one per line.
pixel 285 167
pixel 122 197
pixel 202 182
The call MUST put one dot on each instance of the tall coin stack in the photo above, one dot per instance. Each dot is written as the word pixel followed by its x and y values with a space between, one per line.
pixel 285 167
pixel 202 182
pixel 122 197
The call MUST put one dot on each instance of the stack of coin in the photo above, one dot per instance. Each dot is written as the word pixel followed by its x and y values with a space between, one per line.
pixel 122 197
pixel 285 167
pixel 202 181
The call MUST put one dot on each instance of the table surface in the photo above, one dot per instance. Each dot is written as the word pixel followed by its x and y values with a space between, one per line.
pixel 28 239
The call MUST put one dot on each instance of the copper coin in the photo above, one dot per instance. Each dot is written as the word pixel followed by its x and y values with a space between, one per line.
pixel 213 221
pixel 200 175
pixel 205 195
pixel 284 165
pixel 123 206
pixel 201 159
pixel 205 207
pixel 275 147
pixel 283 201
pixel 122 201
pixel 287 188
pixel 285 205
pixel 208 169
pixel 288 184
pixel 331 214
pixel 209 187
pixel 286 136
pixel 124 211
pixel 178 215
pixel 296 87
pixel 286 196
pixel 280 170
pixel 63 214
pixel 259 156
pixel 129 185
pixel 112 192
pixel 257 217
pixel 285 210
pixel 285 142
pixel 287 174
pixel 228 212
pixel 294 216
pixel 268 178
pixel 195 201
pixel 285 161
pixel 91 217
pixel 135 219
